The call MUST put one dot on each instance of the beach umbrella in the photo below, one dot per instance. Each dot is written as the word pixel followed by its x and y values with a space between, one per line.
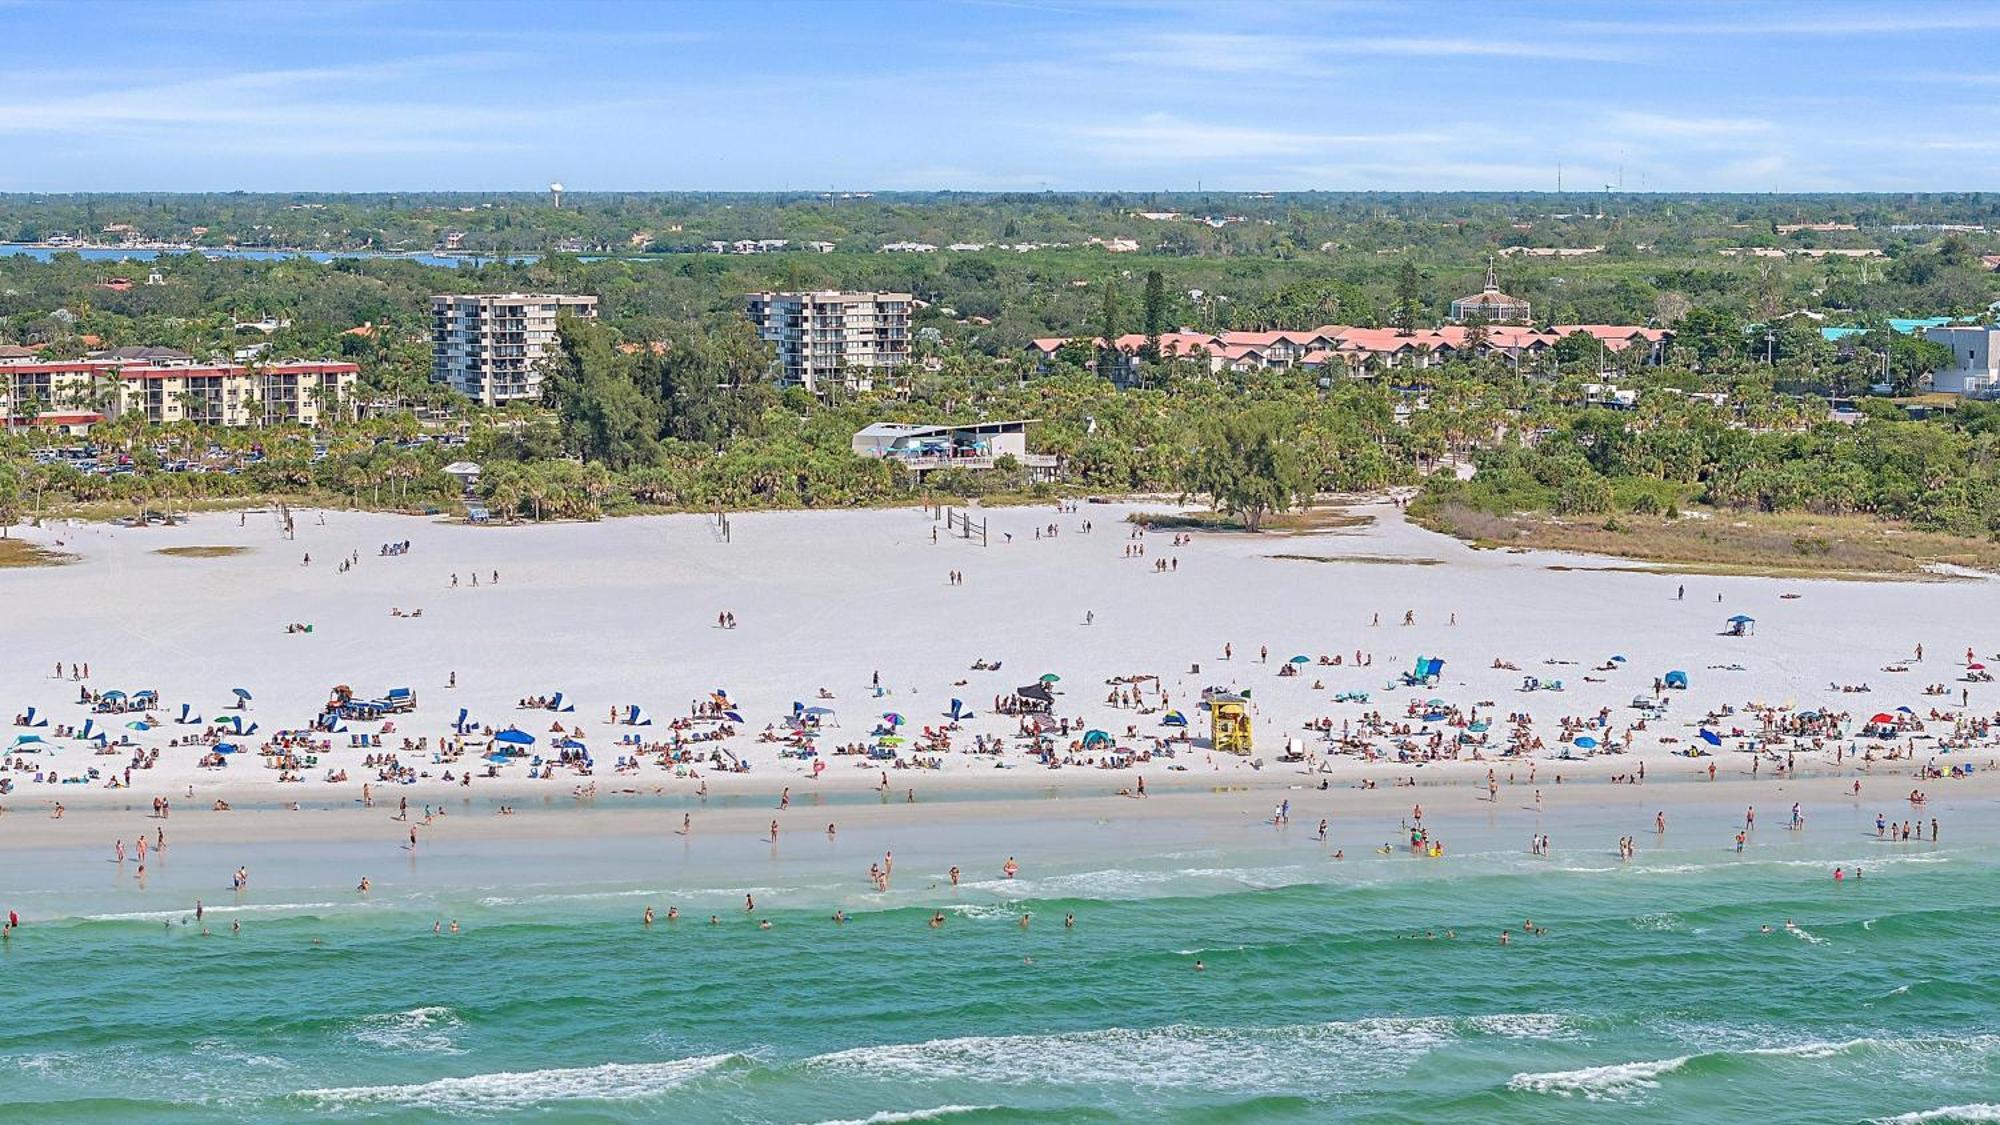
pixel 1976 667
pixel 819 710
pixel 892 718
pixel 1436 703
pixel 227 748
pixel 1883 717
pixel 1050 678
pixel 1301 660
pixel 1906 710
pixel 515 737
pixel 570 744
pixel 1710 737
pixel 733 716
pixel 1584 741
pixel 1092 738
pixel 1617 660
pixel 241 693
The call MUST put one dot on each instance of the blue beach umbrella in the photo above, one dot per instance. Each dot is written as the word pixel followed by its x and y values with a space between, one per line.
pixel 1586 742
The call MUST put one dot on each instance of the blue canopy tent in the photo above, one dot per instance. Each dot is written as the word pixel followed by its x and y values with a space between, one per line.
pixel 1173 719
pixel 1676 679
pixel 1096 738
pixel 1741 625
pixel 513 737
pixel 32 743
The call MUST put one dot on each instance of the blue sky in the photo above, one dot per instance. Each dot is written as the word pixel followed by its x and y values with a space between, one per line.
pixel 999 94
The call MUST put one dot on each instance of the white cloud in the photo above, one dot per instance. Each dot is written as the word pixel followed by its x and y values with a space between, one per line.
pixel 1163 139
pixel 1818 19
pixel 1670 125
pixel 1432 46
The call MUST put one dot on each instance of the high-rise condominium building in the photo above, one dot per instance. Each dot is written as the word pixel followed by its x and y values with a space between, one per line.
pixel 831 339
pixel 488 345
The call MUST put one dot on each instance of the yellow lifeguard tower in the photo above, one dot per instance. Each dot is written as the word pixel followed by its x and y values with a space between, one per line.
pixel 1229 723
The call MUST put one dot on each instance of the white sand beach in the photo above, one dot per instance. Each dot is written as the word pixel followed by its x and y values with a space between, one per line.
pixel 624 613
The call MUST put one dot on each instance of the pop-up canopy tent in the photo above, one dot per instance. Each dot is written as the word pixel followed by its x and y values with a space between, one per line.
pixel 1741 625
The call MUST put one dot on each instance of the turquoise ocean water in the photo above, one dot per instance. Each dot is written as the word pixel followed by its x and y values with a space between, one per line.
pixel 1655 996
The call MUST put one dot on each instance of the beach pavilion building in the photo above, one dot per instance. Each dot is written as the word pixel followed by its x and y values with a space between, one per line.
pixel 977 445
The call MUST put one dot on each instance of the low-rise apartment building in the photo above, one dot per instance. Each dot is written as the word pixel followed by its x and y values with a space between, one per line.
pixel 77 394
pixel 1356 350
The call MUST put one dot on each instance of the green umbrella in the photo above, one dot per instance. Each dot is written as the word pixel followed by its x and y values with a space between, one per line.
pixel 1051 678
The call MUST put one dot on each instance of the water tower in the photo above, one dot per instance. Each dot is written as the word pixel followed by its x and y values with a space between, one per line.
pixel 555 194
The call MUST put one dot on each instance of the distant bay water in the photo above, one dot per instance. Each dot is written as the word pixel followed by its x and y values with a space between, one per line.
pixel 137 254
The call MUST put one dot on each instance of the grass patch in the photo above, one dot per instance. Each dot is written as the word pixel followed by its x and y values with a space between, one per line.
pixel 1792 545
pixel 201 552
pixel 15 553
pixel 1304 522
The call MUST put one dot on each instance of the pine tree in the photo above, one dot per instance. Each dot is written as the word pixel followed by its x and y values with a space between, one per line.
pixel 1107 360
pixel 1409 299
pixel 1155 312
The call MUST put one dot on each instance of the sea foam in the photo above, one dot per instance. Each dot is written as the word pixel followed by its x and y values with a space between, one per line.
pixel 1598 1083
pixel 514 1090
pixel 1184 1056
